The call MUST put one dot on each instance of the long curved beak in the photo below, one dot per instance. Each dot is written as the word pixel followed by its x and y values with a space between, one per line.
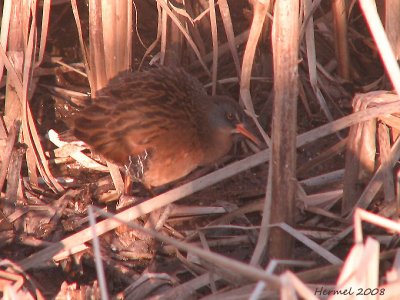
pixel 240 128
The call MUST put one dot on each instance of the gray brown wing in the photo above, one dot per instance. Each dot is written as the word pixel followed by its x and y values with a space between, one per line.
pixel 137 111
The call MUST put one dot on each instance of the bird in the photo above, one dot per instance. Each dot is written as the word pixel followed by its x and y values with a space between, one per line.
pixel 160 125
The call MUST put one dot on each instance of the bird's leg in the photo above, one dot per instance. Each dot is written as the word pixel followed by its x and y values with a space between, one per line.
pixel 127 185
pixel 164 216
pixel 156 221
pixel 128 182
pixel 157 218
pixel 154 216
pixel 134 190
pixel 134 171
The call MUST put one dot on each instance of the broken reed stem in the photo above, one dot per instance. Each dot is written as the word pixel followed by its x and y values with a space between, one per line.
pixel 339 12
pixel 285 45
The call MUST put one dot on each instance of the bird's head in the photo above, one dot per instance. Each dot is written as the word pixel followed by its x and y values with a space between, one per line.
pixel 229 118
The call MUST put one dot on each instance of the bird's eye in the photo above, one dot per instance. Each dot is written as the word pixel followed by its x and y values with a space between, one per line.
pixel 230 116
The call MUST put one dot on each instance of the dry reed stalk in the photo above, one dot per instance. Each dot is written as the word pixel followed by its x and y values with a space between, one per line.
pixel 14 48
pixel 270 269
pixel 10 143
pixel 206 246
pixel 110 39
pixel 81 41
pixel 191 9
pixel 323 198
pixel 360 269
pixel 172 39
pixel 43 31
pixel 20 77
pixel 97 56
pixel 376 181
pixel 163 35
pixel 69 244
pixel 295 284
pixel 360 154
pixel 230 35
pixel 392 121
pixel 242 269
pixel 331 258
pixel 188 288
pixel 5 24
pixel 147 283
pixel 242 293
pixel 381 41
pixel 326 213
pixel 157 202
pixel 116 177
pixel 312 59
pixel 325 272
pixel 3 132
pixel 214 35
pixel 304 100
pixel 30 132
pixel 97 256
pixel 260 12
pixel 166 10
pixel 363 215
pixel 75 153
pixel 118 39
pixel 339 11
pixel 329 128
pixel 391 106
pixel 261 9
pixel 222 49
pixel 156 41
pixel 14 182
pixel 285 45
pixel 392 24
pixel 384 152
pixel 322 157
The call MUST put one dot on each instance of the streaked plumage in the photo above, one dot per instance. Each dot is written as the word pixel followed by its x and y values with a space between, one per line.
pixel 161 123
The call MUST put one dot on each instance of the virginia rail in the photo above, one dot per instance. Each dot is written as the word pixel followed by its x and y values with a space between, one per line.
pixel 160 124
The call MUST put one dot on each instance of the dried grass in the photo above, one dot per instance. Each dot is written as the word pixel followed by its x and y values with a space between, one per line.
pixel 321 255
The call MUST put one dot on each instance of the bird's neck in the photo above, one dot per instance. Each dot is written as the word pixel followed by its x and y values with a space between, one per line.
pixel 217 139
pixel 218 145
